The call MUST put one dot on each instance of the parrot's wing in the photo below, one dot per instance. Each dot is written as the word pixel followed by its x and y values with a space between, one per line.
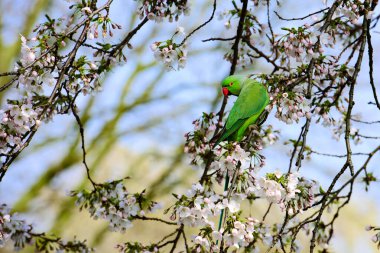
pixel 252 100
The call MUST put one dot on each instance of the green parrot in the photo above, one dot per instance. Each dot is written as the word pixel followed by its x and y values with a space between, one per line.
pixel 248 109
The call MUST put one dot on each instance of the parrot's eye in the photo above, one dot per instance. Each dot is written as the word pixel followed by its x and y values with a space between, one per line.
pixel 231 84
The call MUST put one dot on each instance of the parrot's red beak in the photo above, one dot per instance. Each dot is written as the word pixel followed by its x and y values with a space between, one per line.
pixel 225 91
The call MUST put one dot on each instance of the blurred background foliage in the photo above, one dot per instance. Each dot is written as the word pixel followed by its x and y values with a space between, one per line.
pixel 135 126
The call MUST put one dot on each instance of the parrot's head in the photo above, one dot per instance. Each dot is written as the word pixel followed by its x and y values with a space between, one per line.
pixel 233 84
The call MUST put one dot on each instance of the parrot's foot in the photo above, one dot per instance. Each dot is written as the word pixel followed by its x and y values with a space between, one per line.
pixel 253 133
pixel 253 127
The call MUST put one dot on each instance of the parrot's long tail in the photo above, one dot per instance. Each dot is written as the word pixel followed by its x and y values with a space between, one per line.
pixel 222 212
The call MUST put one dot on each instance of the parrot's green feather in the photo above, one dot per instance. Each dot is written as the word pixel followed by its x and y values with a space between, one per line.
pixel 248 108
pixel 229 132
pixel 252 100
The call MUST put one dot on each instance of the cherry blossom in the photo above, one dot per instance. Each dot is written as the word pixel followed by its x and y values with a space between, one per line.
pixel 113 203
pixel 158 10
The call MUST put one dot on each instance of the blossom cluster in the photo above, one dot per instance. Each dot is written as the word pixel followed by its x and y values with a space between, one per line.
pixel 231 158
pixel 197 207
pixel 172 55
pixel 302 193
pixel 240 234
pixel 291 106
pixel 328 69
pixel 158 10
pixel 286 190
pixel 86 78
pixel 36 71
pixel 113 203
pixel 237 233
pixel 299 44
pixel 12 228
pixel 39 67
pixel 197 143
pixel 352 11
pixel 16 120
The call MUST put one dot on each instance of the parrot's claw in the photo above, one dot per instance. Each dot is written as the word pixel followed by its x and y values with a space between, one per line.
pixel 253 127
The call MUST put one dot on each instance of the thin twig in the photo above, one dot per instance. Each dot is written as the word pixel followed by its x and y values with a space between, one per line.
pixel 366 122
pixel 301 18
pixel 201 26
pixel 175 241
pixel 154 219
pixel 221 39
pixel 335 155
pixel 370 57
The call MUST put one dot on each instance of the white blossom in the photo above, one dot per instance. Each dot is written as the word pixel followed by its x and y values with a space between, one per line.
pixel 171 55
pixel 290 109
pixel 13 228
pixel 112 203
